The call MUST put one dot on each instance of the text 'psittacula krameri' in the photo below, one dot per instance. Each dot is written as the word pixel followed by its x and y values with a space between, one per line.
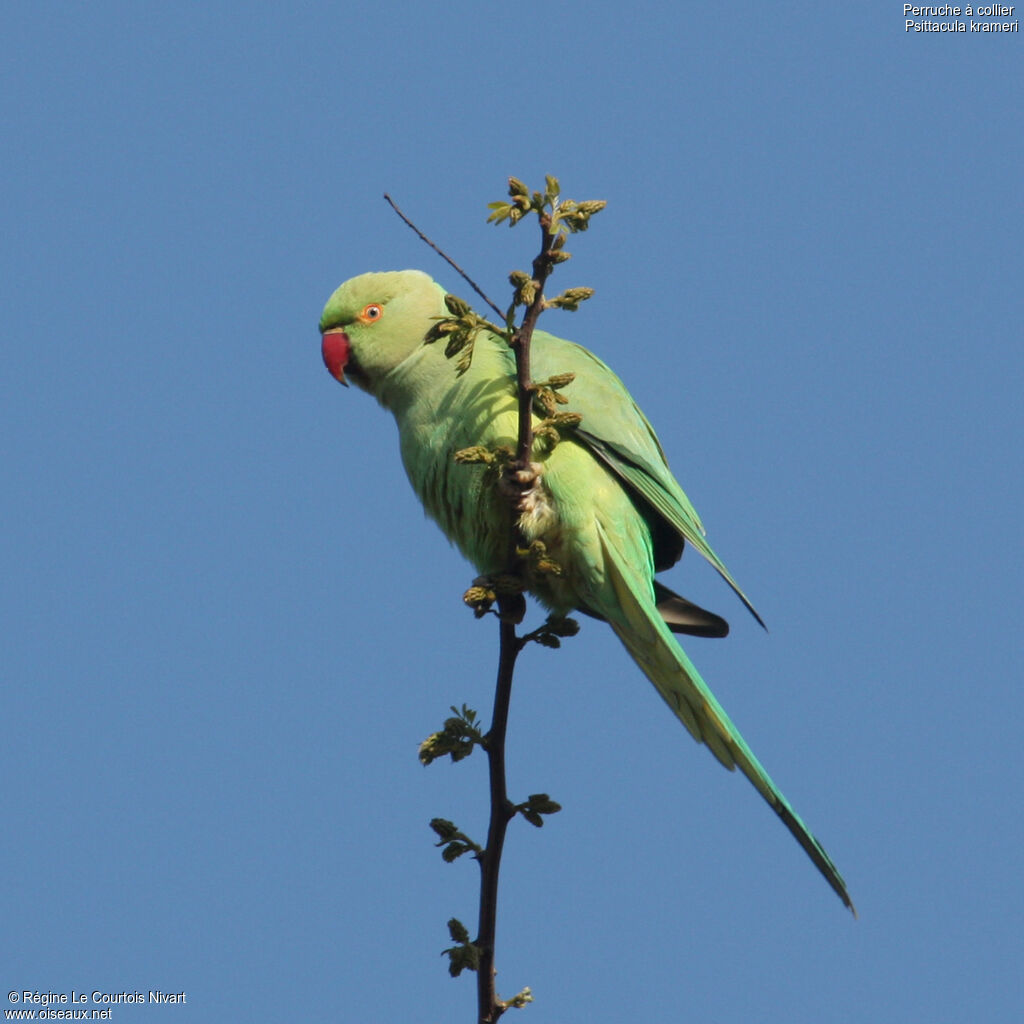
pixel 606 506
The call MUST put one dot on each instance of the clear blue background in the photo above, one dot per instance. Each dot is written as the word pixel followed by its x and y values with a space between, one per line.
pixel 227 625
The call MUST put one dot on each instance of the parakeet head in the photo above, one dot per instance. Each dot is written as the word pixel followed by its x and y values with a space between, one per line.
pixel 375 321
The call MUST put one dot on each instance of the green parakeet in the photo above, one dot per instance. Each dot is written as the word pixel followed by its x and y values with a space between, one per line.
pixel 604 502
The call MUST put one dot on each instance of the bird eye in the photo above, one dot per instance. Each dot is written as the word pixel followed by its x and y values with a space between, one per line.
pixel 371 312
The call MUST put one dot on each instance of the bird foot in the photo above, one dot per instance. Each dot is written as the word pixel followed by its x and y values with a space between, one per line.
pixel 518 482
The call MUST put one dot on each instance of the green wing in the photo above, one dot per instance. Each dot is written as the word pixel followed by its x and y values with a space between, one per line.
pixel 618 434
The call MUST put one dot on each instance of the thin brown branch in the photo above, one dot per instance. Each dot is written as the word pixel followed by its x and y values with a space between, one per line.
pixel 542 267
pixel 440 252
pixel 489 1007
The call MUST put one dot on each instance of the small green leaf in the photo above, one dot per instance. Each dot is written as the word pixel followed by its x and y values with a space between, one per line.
pixel 455 843
pixel 456 343
pixel 536 806
pixel 462 958
pixel 465 956
pixel 499 212
pixel 445 829
pixel 441 329
pixel 543 804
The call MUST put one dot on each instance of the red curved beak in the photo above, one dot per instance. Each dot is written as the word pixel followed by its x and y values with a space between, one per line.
pixel 335 348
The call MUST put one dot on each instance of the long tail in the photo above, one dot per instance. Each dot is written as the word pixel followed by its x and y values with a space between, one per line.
pixel 647 638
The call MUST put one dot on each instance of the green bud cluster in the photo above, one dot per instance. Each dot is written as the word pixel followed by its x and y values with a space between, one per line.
pixel 570 217
pixel 517 1002
pixel 478 454
pixel 457 738
pixel 480 600
pixel 566 215
pixel 570 299
pixel 459 331
pixel 494 460
pixel 553 429
pixel 546 398
pixel 536 556
pixel 554 425
pixel 525 288
pixel 487 589
pixel 456 306
pixel 553 631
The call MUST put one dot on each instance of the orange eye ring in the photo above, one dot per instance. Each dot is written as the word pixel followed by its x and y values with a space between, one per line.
pixel 371 313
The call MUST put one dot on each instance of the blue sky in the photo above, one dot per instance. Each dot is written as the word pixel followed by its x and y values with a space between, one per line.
pixel 227 624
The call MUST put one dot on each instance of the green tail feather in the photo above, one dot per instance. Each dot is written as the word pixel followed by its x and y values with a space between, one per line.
pixel 641 629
